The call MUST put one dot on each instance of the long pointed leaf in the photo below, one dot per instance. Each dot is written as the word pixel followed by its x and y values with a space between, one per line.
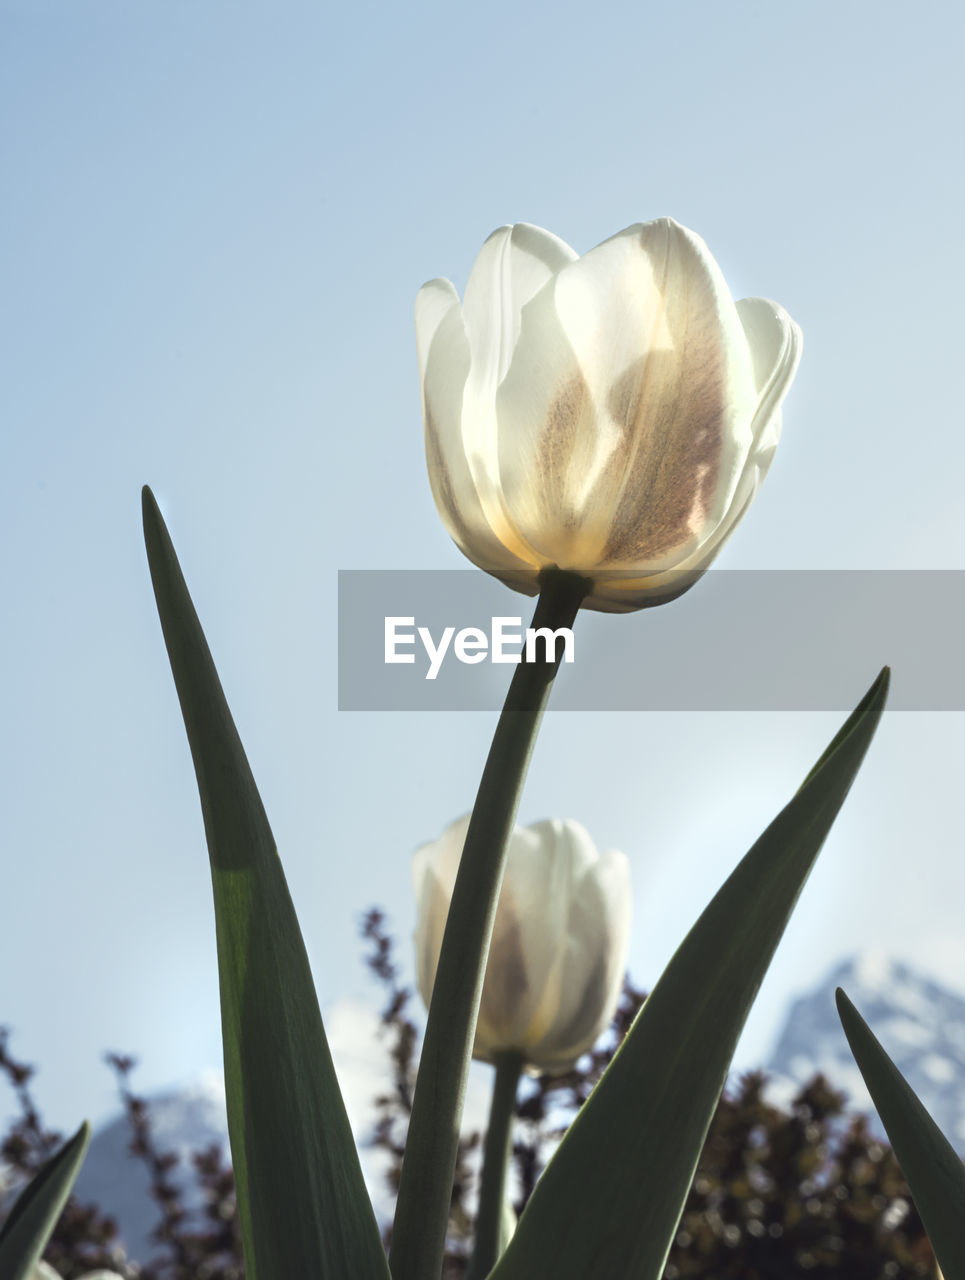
pixel 608 1204
pixel 934 1172
pixel 32 1219
pixel 301 1196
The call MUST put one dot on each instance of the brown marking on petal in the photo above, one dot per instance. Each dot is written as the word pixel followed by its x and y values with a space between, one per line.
pixel 623 402
pixel 674 447
pixel 587 1013
pixel 565 441
pixel 506 983
pixel 442 483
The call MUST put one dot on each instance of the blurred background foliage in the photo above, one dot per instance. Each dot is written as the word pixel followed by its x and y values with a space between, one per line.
pixel 779 1191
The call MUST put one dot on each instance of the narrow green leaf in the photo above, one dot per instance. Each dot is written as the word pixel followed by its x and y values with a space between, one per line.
pixel 608 1204
pixel 34 1215
pixel 934 1172
pixel 301 1196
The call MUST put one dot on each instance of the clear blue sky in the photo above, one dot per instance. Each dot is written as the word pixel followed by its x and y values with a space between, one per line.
pixel 215 220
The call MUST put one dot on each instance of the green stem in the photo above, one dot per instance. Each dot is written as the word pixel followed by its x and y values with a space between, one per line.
pixel 425 1187
pixel 496 1153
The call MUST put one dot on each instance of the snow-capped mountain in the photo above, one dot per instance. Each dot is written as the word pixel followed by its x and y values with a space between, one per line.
pixel 920 1024
pixel 182 1122
pixel 189 1120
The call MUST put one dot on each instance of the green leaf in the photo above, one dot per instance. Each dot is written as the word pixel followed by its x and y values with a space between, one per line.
pixel 34 1215
pixel 301 1196
pixel 933 1171
pixel 608 1204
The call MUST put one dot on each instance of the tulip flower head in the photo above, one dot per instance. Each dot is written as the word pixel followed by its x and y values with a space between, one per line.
pixel 559 945
pixel 613 415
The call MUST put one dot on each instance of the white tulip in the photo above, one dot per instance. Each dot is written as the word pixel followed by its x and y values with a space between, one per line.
pixel 612 414
pixel 559 944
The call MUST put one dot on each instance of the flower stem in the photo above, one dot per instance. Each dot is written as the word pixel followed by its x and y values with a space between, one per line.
pixel 498 1149
pixel 425 1187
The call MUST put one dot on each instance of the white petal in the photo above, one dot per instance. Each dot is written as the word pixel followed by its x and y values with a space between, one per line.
pixel 521 990
pixel 545 887
pixel 550 443
pixel 513 265
pixel 453 487
pixel 775 344
pixel 515 972
pixel 633 409
pixel 433 301
pixel 686 404
pixel 458 359
pixel 434 868
pixel 440 856
pixel 594 960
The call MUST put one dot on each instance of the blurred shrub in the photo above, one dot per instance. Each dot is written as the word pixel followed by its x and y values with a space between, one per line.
pixel 779 1193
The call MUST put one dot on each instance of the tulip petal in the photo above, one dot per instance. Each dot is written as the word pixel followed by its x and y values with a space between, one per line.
pixel 521 991
pixel 513 265
pixel 434 868
pixel 593 960
pixel 775 344
pixel 685 404
pixel 453 487
pixel 433 302
pixel 570 859
pixel 632 406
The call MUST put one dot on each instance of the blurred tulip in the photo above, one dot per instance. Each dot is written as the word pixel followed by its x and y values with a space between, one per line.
pixel 612 414
pixel 559 945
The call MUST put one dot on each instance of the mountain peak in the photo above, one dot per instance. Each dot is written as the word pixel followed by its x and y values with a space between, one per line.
pixel 920 1023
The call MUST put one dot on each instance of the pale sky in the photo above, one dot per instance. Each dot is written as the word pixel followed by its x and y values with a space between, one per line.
pixel 215 221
